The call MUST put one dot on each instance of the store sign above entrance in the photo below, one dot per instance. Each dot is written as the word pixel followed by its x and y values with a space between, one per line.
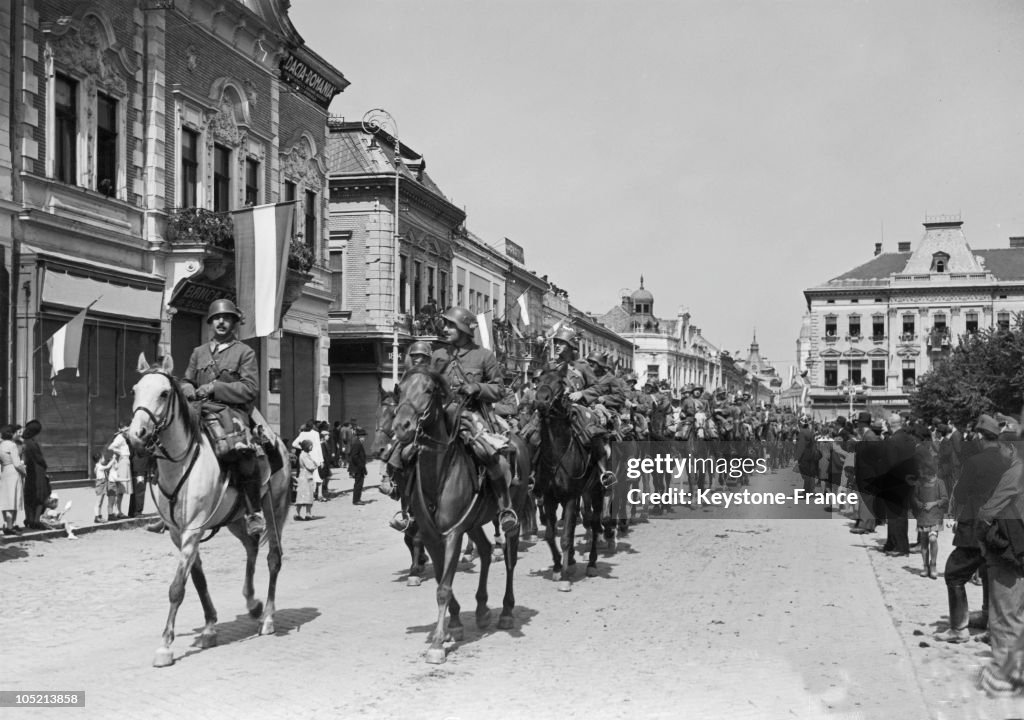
pixel 307 80
pixel 196 297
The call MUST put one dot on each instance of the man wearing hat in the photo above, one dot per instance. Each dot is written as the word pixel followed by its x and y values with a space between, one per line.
pixel 346 435
pixel 357 465
pixel 869 465
pixel 420 354
pixel 223 376
pixel 982 473
pixel 897 489
pixel 692 403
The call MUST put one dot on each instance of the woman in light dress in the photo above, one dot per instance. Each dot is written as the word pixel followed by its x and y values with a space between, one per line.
pixel 12 477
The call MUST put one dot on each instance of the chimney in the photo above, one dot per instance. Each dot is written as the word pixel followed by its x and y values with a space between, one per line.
pixel 1017 242
pixel 904 247
pixel 878 249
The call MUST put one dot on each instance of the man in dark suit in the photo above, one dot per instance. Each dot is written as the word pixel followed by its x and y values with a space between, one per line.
pixel 357 465
pixel 897 487
pixel 869 465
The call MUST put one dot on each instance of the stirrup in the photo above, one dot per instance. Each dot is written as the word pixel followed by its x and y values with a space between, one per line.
pixel 508 520
pixel 400 522
pixel 608 479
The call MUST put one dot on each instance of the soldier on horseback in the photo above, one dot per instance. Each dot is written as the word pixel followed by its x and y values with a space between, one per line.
pixel 694 410
pixel 473 373
pixel 223 377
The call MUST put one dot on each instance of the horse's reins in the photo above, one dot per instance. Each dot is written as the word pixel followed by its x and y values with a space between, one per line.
pixel 557 397
pixel 194 445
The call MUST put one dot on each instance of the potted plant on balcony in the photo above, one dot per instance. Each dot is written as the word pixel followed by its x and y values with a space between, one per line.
pixel 199 226
pixel 300 259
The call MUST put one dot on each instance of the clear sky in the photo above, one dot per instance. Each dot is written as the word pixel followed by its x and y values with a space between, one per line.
pixel 733 153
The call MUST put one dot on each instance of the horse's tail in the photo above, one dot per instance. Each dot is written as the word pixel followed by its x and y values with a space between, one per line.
pixel 278 495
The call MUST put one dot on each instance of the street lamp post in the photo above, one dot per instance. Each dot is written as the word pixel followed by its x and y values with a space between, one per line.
pixel 375 121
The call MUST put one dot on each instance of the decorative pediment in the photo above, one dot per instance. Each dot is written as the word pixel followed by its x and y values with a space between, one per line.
pixel 830 354
pixel 301 162
pixel 878 353
pixel 87 46
pixel 854 353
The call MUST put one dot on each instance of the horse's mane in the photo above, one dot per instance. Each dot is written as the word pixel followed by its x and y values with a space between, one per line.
pixel 188 415
pixel 434 376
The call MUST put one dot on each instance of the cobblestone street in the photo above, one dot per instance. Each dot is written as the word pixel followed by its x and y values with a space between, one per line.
pixel 716 618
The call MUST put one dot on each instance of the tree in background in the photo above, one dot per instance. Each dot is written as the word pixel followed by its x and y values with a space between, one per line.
pixel 983 374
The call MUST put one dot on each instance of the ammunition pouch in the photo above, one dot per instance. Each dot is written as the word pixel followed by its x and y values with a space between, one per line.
pixel 227 433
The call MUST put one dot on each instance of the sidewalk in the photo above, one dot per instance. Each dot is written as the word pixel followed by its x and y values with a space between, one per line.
pixel 83 506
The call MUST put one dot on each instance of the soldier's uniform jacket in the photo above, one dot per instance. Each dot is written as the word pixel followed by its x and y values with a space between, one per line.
pixel 579 374
pixel 471 364
pixel 690 406
pixel 608 391
pixel 232 369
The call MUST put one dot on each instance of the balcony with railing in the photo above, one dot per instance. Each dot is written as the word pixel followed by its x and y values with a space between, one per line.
pixel 939 339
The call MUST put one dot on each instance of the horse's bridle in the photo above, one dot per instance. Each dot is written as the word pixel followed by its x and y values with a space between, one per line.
pixel 162 423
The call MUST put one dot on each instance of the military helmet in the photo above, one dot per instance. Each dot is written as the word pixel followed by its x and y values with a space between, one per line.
pixel 223 306
pixel 596 358
pixel 566 334
pixel 688 388
pixel 421 347
pixel 698 386
pixel 461 318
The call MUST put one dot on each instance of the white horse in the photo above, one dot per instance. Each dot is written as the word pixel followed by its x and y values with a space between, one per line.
pixel 195 497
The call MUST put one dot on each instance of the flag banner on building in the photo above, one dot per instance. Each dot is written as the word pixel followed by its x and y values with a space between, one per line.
pixel 262 238
pixel 65 345
pixel 521 301
pixel 484 331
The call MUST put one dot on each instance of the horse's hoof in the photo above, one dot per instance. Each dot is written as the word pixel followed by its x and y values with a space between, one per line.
pixel 591 571
pixel 435 656
pixel 267 628
pixel 256 610
pixel 564 586
pixel 456 634
pixel 505 622
pixel 610 546
pixel 413 581
pixel 498 555
pixel 208 640
pixel 483 619
pixel 163 658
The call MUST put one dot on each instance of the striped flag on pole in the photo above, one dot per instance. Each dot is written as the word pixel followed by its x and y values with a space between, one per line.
pixel 262 236
pixel 65 345
pixel 523 309
pixel 484 332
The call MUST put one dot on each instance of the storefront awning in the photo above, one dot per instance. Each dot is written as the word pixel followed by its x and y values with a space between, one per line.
pixel 75 293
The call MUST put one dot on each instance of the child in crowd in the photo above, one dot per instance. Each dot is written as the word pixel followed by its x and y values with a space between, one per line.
pixel 304 488
pixel 929 502
pixel 100 469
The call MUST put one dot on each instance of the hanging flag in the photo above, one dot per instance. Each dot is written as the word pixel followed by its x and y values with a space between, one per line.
pixel 523 309
pixel 262 236
pixel 484 332
pixel 65 345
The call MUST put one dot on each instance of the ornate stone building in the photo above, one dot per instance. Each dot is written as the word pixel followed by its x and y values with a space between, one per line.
pixel 878 327
pixel 665 349
pixel 135 129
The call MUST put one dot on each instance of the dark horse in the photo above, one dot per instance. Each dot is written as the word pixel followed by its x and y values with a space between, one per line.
pixel 448 500
pixel 195 498
pixel 566 476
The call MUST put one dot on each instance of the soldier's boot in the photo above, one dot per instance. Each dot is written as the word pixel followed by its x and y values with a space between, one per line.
pixel 957 632
pixel 249 478
pixel 500 478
